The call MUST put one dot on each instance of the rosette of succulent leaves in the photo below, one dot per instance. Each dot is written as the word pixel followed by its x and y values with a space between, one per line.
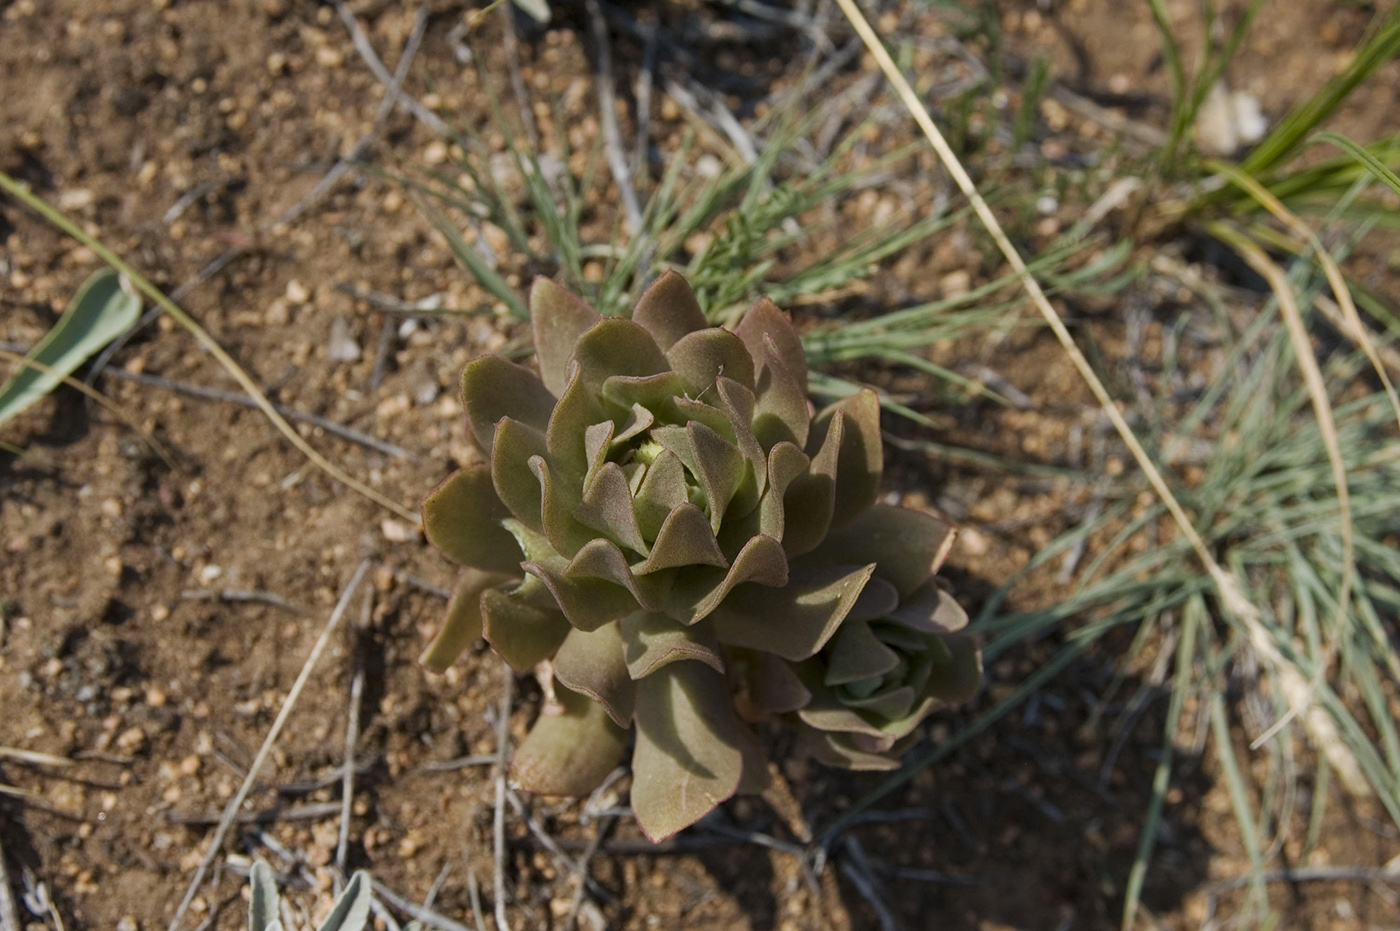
pixel 663 530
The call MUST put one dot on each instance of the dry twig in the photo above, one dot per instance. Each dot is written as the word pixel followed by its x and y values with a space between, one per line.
pixel 231 811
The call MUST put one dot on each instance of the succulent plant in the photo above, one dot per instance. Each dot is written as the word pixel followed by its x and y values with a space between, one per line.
pixel 897 656
pixel 657 502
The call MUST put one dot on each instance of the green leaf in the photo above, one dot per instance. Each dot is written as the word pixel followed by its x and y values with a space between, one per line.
pixel 538 10
pixel 764 318
pixel 652 640
pixel 794 621
pixel 351 910
pixel 494 388
pixel 521 633
pixel 104 307
pixel 668 310
pixel 690 748
pixel 263 905
pixel 463 623
pixel 558 318
pixel 569 753
pixel 907 546
pixel 462 517
pixel 856 653
pixel 861 456
pixel 591 662
pixel 705 355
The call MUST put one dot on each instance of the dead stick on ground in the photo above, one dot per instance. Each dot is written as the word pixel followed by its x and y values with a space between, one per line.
pixel 413 910
pixel 242 595
pixel 371 58
pixel 552 845
pixel 237 801
pixel 612 136
pixel 230 397
pixel 498 825
pixel 352 734
pixel 511 44
pixel 584 865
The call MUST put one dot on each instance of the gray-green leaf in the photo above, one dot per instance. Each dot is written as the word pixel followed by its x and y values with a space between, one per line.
pixel 104 307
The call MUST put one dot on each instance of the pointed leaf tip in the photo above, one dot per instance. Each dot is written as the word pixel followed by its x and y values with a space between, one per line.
pixel 558 317
pixel 668 310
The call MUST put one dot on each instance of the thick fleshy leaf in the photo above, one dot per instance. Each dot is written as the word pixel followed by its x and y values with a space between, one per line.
pixel 894 704
pixel 463 622
pixel 907 546
pixel 592 663
pixel 705 355
pixel 794 621
pixel 755 777
pixel 786 463
pixel 774 687
pixel 615 346
pixel 462 517
pixel 737 402
pixel 930 609
pixel 835 749
pixel 516 484
pixel 662 491
pixel 597 443
pixel 588 603
pixel 827 712
pixel 557 502
pixel 652 640
pixel 856 653
pixel 638 421
pixel 558 317
pixel 719 468
pixel 577 410
pixel 523 634
pixel 860 460
pixel 765 319
pixel 668 310
pixel 657 393
pixel 960 678
pixel 569 753
pixel 607 508
pixel 492 388
pixel 781 411
pixel 685 539
pixel 602 559
pixel 690 748
pixel 703 413
pixel 876 600
pixel 697 592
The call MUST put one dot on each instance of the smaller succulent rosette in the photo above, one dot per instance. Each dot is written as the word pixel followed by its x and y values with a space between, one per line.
pixel 898 655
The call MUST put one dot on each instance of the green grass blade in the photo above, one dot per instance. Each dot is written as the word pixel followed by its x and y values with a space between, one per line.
pixel 473 260
pixel 1290 133
pixel 1239 801
pixel 1363 155
pixel 1161 779
pixel 104 307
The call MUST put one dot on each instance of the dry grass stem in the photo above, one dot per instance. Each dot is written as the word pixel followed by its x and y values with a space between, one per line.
pixel 231 811
pixel 1295 688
